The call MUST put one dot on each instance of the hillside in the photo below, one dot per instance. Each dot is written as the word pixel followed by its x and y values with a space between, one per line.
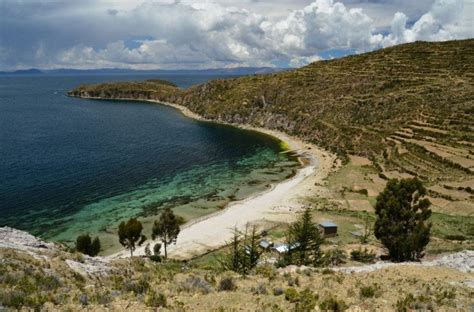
pixel 413 101
pixel 153 88
pixel 44 276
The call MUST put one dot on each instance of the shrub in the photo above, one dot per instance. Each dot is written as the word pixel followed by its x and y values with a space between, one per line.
pixel 266 270
pixel 365 255
pixel 291 295
pixel 411 302
pixel 85 245
pixel 456 237
pixel 154 299
pixel 277 291
pixel 157 249
pixel 334 257
pixel 367 291
pixel 332 304
pixel 147 250
pixel 195 284
pixel 227 284
pixel 261 289
pixel 138 287
pixel 307 301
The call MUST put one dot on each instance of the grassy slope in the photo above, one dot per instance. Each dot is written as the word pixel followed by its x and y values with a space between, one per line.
pixel 44 281
pixel 352 105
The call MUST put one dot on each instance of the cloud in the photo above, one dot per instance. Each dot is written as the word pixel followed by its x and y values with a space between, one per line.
pixel 443 22
pixel 186 34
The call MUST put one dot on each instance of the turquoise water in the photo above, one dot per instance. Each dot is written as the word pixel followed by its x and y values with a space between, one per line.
pixel 71 166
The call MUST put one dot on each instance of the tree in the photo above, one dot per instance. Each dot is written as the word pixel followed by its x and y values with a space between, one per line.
pixel 167 228
pixel 86 245
pixel 244 252
pixel 304 241
pixel 130 234
pixel 402 215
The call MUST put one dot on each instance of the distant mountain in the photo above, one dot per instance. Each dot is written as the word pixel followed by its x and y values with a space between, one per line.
pixel 101 71
pixel 32 71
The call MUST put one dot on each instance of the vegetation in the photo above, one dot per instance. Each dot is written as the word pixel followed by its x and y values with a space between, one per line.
pixel 363 255
pixel 304 241
pixel 130 234
pixel 85 245
pixel 243 253
pixel 166 228
pixel 402 214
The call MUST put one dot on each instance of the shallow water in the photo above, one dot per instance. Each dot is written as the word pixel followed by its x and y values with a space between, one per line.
pixel 70 166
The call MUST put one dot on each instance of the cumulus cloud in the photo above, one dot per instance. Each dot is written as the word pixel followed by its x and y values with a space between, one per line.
pixel 187 34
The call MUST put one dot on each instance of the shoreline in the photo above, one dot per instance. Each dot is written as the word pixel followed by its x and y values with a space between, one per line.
pixel 277 204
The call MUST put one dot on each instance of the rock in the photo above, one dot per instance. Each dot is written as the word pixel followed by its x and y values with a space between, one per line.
pixel 20 240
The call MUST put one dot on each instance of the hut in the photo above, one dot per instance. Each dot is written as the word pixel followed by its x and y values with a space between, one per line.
pixel 328 228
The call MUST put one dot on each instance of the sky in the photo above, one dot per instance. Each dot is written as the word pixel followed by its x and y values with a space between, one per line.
pixel 186 34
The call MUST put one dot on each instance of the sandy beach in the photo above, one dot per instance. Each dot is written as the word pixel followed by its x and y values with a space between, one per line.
pixel 278 204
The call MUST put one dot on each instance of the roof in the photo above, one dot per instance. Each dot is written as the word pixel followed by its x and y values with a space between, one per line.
pixel 265 244
pixel 282 248
pixel 327 224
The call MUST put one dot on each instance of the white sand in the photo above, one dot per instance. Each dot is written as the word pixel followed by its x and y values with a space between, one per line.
pixel 277 204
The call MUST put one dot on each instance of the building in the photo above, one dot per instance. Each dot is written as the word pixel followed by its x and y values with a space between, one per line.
pixel 328 228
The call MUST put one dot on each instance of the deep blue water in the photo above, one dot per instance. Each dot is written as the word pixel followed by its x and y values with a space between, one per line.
pixel 66 163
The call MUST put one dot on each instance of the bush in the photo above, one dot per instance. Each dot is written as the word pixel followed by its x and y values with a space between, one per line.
pixel 227 284
pixel 334 257
pixel 365 255
pixel 266 270
pixel 277 291
pixel 307 301
pixel 291 295
pixel 138 287
pixel 261 289
pixel 332 304
pixel 85 245
pixel 154 299
pixel 367 291
pixel 456 237
pixel 157 249
pixel 194 284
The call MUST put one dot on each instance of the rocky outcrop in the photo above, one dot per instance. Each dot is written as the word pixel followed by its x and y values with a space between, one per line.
pixel 16 240
pixel 20 240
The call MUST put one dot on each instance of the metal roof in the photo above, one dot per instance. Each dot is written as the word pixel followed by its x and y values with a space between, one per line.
pixel 327 224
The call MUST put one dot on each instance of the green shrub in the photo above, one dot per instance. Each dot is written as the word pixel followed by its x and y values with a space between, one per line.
pixel 367 291
pixel 332 304
pixel 227 284
pixel 154 299
pixel 411 302
pixel 334 257
pixel 291 295
pixel 307 301
pixel 456 237
pixel 365 255
pixel 85 245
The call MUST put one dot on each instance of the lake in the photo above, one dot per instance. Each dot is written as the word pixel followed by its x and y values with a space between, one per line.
pixel 70 166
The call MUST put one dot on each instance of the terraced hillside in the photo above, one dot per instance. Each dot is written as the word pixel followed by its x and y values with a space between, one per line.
pixel 412 103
